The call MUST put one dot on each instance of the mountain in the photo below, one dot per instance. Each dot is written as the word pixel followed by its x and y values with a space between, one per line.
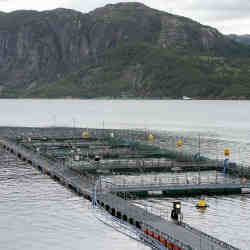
pixel 245 39
pixel 120 50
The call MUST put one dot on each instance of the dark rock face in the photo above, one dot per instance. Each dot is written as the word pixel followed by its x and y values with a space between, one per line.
pixel 37 47
pixel 42 47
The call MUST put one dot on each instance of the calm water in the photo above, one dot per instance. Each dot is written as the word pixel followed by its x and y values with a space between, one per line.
pixel 38 213
pixel 223 117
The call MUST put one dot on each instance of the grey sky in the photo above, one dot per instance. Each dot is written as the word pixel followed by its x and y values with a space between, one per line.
pixel 228 16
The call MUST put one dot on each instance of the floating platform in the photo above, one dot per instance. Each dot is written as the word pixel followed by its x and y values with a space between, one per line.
pixel 142 166
pixel 167 233
pixel 181 190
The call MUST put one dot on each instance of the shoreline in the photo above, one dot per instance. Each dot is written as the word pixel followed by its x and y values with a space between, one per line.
pixel 126 99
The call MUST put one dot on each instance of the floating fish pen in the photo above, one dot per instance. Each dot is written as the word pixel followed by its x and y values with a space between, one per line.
pixel 118 151
pixel 110 151
pixel 166 233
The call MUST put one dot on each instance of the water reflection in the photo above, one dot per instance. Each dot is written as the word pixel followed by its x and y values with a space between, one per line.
pixel 202 210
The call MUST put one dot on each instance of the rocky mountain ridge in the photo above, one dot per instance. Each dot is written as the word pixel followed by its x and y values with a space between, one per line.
pixel 38 49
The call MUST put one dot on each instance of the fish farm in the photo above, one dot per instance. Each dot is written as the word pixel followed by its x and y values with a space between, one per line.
pixel 109 167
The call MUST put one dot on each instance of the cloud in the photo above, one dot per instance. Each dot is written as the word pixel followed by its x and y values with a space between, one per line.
pixel 229 16
pixel 223 9
pixel 11 5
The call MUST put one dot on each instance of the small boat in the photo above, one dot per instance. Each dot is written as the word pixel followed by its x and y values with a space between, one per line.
pixel 186 98
pixel 176 169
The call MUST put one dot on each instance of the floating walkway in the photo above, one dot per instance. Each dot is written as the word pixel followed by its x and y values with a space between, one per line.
pixel 145 165
pixel 181 189
pixel 171 235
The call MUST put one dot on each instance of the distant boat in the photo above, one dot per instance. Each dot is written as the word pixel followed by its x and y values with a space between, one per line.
pixel 186 98
pixel 176 169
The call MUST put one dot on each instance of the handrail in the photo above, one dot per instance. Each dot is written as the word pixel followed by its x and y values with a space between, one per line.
pixel 211 238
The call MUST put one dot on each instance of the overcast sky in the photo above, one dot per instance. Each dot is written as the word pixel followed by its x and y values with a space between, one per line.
pixel 228 16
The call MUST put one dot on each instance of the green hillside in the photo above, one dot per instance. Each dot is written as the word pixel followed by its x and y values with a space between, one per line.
pixel 138 70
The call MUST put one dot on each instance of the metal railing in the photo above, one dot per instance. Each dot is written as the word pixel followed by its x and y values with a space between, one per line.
pixel 156 180
pixel 143 236
pixel 209 237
